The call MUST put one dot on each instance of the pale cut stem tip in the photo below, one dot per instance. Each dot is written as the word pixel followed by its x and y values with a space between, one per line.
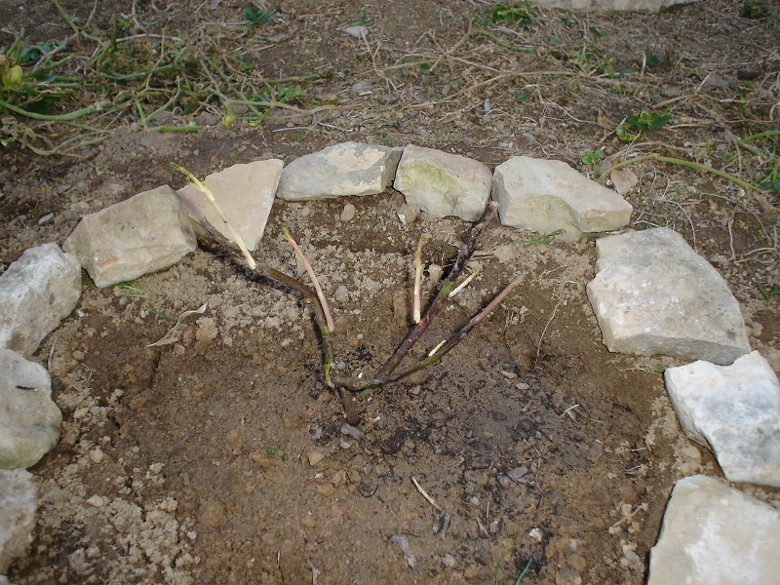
pixel 210 196
pixel 465 283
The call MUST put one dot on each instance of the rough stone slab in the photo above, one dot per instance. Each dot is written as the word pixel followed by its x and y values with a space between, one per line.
pixel 442 183
pixel 17 514
pixel 144 234
pixel 37 291
pixel 349 168
pixel 612 5
pixel 549 195
pixel 653 295
pixel 735 411
pixel 29 419
pixel 244 192
pixel 713 534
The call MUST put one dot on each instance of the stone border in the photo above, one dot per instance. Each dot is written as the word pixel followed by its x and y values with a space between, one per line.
pixel 114 244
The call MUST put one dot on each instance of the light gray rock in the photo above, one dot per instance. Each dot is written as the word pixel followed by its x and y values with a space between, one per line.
pixel 715 535
pixel 734 410
pixel 443 184
pixel 17 515
pixel 244 192
pixel 653 295
pixel 349 168
pixel 144 234
pixel 549 195
pixel 29 419
pixel 612 5
pixel 36 292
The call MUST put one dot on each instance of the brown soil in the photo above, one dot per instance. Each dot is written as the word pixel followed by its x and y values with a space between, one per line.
pixel 223 458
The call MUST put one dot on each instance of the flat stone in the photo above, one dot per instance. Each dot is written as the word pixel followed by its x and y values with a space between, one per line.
pixel 713 534
pixel 735 411
pixel 349 168
pixel 29 419
pixel 442 183
pixel 244 192
pixel 549 195
pixel 653 295
pixel 17 514
pixel 146 233
pixel 37 291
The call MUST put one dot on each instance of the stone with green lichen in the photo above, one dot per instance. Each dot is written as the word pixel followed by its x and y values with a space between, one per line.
pixel 443 184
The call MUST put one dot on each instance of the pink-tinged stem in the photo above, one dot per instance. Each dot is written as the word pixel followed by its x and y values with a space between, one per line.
pixel 313 277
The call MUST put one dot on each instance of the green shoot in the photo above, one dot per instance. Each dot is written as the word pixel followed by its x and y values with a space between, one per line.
pixel 634 125
pixel 522 574
pixel 522 13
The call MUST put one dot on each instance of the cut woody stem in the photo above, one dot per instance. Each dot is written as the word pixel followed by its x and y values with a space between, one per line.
pixel 322 317
pixel 313 277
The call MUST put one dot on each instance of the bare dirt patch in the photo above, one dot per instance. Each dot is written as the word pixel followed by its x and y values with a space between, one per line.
pixel 223 458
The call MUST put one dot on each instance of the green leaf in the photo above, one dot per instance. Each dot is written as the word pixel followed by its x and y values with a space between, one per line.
pixel 256 16
pixel 523 13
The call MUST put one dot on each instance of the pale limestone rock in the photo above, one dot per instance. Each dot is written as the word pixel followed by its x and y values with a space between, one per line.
pixel 144 234
pixel 443 184
pixel 29 420
pixel 653 295
pixel 734 410
pixel 36 292
pixel 18 504
pixel 612 5
pixel 715 535
pixel 549 195
pixel 244 192
pixel 349 168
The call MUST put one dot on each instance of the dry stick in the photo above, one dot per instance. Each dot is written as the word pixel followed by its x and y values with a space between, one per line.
pixel 441 298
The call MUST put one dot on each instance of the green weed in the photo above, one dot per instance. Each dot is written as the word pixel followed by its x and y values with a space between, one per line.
pixel 636 124
pixel 592 159
pixel 522 13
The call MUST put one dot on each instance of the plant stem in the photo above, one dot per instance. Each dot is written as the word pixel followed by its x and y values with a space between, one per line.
pixel 683 163
pixel 417 279
pixel 210 196
pixel 320 295
pixel 447 286
pixel 48 117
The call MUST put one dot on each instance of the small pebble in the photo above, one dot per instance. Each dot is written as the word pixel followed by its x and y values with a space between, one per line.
pixel 518 473
pixel 448 561
pixel 362 88
pixel 96 501
pixel 358 32
pixel 315 457
pixel 348 213
pixel 348 429
pixel 96 455
pixel 45 219
pixel 341 296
